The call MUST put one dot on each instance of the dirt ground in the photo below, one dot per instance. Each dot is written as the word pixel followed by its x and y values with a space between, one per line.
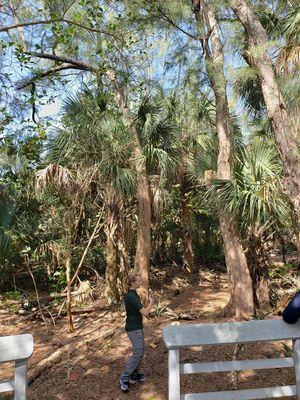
pixel 86 366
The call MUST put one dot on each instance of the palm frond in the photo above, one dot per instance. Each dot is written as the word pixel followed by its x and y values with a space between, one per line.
pixel 54 175
pixel 254 195
pixel 247 86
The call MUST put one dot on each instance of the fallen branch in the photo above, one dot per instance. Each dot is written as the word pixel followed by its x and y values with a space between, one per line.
pixel 47 363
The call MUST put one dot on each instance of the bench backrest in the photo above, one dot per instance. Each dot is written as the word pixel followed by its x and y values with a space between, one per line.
pixel 16 349
pixel 190 335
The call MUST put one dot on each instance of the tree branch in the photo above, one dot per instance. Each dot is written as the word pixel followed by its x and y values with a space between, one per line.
pixel 77 63
pixel 21 33
pixel 44 74
pixel 170 21
pixel 55 20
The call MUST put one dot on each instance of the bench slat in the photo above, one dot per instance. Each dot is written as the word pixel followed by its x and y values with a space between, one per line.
pixel 221 366
pixel 249 394
pixel 229 333
pixel 13 348
pixel 7 386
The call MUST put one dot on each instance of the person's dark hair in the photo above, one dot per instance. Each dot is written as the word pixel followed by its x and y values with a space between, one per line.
pixel 131 279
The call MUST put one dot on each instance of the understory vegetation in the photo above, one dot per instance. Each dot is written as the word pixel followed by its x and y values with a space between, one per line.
pixel 148 135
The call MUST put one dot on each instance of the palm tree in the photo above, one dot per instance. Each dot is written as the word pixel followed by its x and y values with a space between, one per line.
pixel 254 196
pixel 279 113
pixel 98 138
pixel 194 117
pixel 61 180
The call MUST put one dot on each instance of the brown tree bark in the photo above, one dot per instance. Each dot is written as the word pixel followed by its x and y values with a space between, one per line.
pixel 143 248
pixel 284 130
pixel 259 263
pixel 240 279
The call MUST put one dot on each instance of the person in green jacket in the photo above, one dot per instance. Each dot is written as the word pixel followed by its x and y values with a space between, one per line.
pixel 134 329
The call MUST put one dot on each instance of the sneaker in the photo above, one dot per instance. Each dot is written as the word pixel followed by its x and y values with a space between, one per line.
pixel 124 386
pixel 137 378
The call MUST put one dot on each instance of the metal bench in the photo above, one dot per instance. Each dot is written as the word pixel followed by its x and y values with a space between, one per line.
pixel 178 336
pixel 16 349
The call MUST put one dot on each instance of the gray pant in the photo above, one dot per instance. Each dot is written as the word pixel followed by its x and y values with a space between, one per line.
pixel 138 347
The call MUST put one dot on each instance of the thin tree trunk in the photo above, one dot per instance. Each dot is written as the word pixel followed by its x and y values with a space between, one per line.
pixel 95 231
pixel 111 272
pixel 187 240
pixel 143 249
pixel 27 263
pixel 69 295
pixel 285 133
pixel 124 263
pixel 240 279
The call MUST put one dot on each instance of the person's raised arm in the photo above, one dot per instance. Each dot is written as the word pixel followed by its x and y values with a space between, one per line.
pixel 146 310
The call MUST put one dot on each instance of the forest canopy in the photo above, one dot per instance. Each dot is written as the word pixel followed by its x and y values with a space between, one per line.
pixel 145 134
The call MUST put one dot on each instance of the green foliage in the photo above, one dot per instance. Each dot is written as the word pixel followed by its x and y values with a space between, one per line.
pixel 254 194
pixel 153 48
pixel 12 295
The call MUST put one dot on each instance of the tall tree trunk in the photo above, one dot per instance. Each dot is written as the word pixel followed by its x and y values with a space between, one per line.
pixel 240 279
pixel 187 240
pixel 143 249
pixel 285 133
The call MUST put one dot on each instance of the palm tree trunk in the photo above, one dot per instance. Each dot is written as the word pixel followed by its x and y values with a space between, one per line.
pixel 143 249
pixel 240 279
pixel 285 134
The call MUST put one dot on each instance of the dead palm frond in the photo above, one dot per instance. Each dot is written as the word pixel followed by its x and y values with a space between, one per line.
pixel 56 176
